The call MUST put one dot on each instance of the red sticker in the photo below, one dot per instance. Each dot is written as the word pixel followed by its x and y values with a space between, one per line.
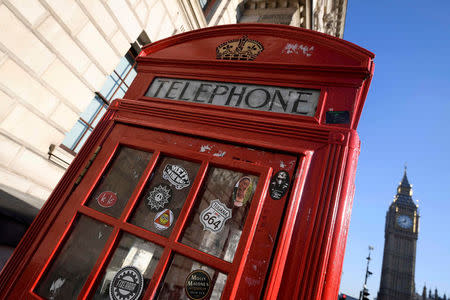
pixel 107 199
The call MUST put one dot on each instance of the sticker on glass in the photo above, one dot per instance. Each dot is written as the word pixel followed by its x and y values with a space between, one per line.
pixel 159 197
pixel 243 191
pixel 107 199
pixel 198 285
pixel 213 218
pixel 279 185
pixel 176 175
pixel 127 284
pixel 163 219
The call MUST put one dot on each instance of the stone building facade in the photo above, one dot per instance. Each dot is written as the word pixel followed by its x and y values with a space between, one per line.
pixel 63 61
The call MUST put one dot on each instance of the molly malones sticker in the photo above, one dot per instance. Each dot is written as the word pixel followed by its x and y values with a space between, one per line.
pixel 213 218
pixel 159 197
pixel 127 284
pixel 176 175
pixel 197 285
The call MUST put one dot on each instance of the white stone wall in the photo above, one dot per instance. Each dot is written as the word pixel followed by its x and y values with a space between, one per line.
pixel 54 54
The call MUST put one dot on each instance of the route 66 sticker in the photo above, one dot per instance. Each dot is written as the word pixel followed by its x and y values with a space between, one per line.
pixel 213 218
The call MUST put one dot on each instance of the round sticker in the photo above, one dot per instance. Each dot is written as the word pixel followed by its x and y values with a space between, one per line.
pixel 242 191
pixel 107 199
pixel 159 197
pixel 197 285
pixel 279 185
pixel 127 284
pixel 163 219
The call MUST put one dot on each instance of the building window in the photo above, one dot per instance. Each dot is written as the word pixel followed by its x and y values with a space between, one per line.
pixel 115 87
pixel 209 7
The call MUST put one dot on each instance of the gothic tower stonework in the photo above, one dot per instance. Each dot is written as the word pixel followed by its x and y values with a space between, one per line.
pixel 400 239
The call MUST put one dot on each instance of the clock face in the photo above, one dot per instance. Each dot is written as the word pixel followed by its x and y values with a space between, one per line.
pixel 404 221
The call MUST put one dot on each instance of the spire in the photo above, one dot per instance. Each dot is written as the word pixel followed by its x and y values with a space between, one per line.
pixel 405 178
pixel 404 187
pixel 404 192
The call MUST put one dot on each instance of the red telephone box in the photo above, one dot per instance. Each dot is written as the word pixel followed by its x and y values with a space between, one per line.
pixel 226 172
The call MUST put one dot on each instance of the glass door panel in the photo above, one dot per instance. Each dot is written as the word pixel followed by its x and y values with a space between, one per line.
pixel 164 195
pixel 173 220
pixel 188 279
pixel 216 223
pixel 71 267
pixel 131 267
pixel 118 182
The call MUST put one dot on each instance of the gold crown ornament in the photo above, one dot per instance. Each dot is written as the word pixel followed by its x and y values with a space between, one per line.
pixel 239 49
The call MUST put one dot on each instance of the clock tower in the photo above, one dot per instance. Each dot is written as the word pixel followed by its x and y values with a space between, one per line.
pixel 400 239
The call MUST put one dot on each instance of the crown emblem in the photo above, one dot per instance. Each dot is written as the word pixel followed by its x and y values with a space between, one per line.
pixel 239 49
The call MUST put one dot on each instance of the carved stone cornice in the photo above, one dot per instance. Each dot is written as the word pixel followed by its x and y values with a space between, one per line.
pixel 286 12
pixel 329 16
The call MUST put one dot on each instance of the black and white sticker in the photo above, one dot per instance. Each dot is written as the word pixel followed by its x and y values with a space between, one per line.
pixel 159 197
pixel 176 175
pixel 127 284
pixel 279 185
pixel 198 285
pixel 213 218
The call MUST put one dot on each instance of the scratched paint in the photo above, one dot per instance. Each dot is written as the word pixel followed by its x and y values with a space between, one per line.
pixel 220 153
pixel 204 148
pixel 291 48
pixel 252 281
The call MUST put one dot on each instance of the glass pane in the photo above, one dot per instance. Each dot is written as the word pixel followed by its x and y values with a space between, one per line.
pixel 164 195
pixel 130 77
pixel 118 182
pixel 216 224
pixel 74 135
pixel 99 116
pixel 68 272
pixel 123 67
pixel 120 92
pixel 188 279
pixel 130 270
pixel 83 140
pixel 109 86
pixel 92 109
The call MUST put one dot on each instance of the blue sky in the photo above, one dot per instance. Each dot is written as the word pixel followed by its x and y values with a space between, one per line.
pixel 406 118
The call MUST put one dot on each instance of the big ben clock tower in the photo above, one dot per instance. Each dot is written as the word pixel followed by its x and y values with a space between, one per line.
pixel 400 239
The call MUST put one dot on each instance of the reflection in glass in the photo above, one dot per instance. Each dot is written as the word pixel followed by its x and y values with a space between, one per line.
pixel 71 267
pixel 173 287
pixel 72 137
pixel 131 251
pixel 91 111
pixel 163 198
pixel 215 225
pixel 120 179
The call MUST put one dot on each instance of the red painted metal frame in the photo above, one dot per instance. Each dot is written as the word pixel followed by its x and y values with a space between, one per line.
pixel 309 234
